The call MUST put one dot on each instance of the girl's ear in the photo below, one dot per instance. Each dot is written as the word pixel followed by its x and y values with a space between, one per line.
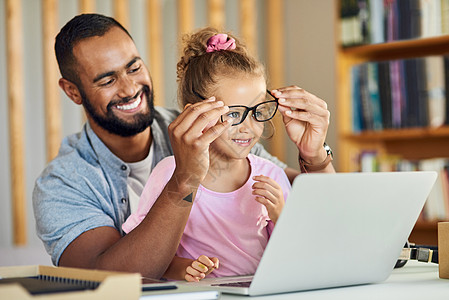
pixel 71 90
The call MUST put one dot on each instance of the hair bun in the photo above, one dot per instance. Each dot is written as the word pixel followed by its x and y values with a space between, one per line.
pixel 220 42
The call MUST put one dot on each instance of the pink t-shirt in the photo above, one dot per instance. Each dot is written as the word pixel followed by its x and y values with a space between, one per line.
pixel 231 226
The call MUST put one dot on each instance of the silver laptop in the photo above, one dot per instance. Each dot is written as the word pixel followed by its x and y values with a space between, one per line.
pixel 336 230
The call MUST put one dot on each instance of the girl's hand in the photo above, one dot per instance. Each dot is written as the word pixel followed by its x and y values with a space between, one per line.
pixel 269 193
pixel 200 268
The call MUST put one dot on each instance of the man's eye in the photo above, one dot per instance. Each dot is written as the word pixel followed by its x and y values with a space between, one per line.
pixel 134 69
pixel 107 82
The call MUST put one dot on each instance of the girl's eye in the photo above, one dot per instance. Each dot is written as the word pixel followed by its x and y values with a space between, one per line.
pixel 234 114
pixel 258 114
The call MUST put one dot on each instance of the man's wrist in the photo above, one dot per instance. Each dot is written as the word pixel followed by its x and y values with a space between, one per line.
pixel 308 167
pixel 179 189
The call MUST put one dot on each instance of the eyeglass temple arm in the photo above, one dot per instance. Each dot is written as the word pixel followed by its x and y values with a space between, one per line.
pixel 198 95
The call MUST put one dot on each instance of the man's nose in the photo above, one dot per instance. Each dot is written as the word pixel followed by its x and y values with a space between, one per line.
pixel 127 87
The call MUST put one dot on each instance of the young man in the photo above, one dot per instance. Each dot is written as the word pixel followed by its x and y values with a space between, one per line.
pixel 85 194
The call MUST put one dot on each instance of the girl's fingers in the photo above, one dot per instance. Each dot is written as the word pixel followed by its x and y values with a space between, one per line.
pixel 294 96
pixel 267 187
pixel 194 272
pixel 266 194
pixel 264 201
pixel 199 267
pixel 191 278
pixel 206 261
pixel 216 262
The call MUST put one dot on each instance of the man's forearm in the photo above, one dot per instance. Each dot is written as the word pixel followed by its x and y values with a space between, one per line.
pixel 292 173
pixel 328 169
pixel 152 245
pixel 148 249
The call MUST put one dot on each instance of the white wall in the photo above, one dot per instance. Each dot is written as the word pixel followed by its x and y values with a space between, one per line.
pixel 310 56
pixel 309 50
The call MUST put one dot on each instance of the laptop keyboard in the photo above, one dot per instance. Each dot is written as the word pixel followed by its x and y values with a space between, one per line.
pixel 235 284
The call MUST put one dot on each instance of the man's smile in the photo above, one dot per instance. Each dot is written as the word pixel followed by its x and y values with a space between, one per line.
pixel 130 105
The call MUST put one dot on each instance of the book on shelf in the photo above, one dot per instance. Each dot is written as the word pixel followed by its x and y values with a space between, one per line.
pixel 390 24
pixel 415 19
pixel 366 98
pixel 405 93
pixel 436 207
pixel 444 16
pixel 384 84
pixel 378 21
pixel 431 17
pixel 397 96
pixel 357 121
pixel 408 16
pixel 411 110
pixel 436 90
pixel 354 22
pixel 423 108
pixel 374 96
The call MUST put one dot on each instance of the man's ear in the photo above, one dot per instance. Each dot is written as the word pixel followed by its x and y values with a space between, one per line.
pixel 71 90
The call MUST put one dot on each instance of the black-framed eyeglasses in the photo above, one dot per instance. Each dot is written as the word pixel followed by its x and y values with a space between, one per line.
pixel 261 112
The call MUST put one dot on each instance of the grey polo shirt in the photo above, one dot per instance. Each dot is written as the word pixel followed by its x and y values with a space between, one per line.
pixel 85 186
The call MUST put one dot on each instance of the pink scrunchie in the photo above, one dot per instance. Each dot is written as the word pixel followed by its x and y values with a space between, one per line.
pixel 220 42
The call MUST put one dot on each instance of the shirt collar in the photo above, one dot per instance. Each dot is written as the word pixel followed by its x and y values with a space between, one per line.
pixel 104 155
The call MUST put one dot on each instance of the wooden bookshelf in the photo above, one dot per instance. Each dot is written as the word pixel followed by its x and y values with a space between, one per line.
pixel 410 143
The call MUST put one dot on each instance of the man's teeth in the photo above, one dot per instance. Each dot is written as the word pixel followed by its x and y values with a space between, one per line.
pixel 130 105
pixel 242 141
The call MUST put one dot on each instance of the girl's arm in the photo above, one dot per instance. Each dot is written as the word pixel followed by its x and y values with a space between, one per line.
pixel 191 270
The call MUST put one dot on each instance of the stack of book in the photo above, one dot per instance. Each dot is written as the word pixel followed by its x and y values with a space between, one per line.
pixel 379 21
pixel 47 282
pixel 400 93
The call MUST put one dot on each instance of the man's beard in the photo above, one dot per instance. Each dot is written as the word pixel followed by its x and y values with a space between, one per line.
pixel 117 126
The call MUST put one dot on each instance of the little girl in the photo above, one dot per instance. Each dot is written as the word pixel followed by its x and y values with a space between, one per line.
pixel 238 203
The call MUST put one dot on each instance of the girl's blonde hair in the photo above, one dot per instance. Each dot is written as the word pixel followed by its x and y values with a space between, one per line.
pixel 200 71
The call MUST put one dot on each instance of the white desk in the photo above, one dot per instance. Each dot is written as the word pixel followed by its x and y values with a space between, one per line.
pixel 414 281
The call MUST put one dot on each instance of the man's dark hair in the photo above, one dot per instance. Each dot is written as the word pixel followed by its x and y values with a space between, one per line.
pixel 80 27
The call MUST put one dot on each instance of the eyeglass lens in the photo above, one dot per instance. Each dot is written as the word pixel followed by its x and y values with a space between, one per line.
pixel 261 112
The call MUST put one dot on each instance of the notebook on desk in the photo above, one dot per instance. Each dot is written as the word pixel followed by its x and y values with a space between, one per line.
pixel 336 230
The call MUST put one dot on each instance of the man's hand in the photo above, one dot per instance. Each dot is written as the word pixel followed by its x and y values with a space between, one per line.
pixel 191 133
pixel 269 193
pixel 200 268
pixel 306 120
